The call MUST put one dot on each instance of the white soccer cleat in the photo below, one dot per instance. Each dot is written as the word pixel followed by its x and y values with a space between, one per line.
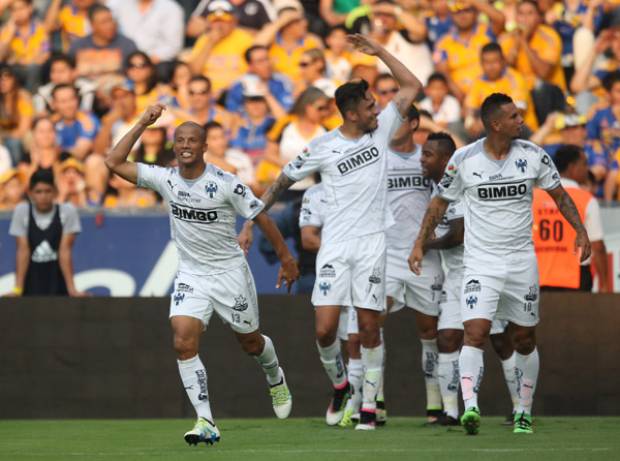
pixel 203 431
pixel 281 398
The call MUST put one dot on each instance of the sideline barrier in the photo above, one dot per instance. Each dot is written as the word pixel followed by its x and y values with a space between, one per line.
pixel 112 358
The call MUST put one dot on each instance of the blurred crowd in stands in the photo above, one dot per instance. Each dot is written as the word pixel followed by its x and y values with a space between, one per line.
pixel 260 75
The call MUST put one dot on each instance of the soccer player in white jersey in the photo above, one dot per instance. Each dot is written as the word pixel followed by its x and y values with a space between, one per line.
pixel 213 273
pixel 494 178
pixel 352 161
pixel 311 223
pixel 409 193
pixel 436 153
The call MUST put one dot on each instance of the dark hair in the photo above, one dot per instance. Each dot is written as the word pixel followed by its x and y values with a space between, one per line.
pixel 611 79
pixel 491 47
pixel 381 77
pixel 445 143
pixel 63 86
pixel 340 27
pixel 96 8
pixel 534 3
pixel 152 81
pixel 61 57
pixel 247 55
pixel 413 114
pixel 212 125
pixel 201 78
pixel 566 155
pixel 309 96
pixel 437 77
pixel 9 116
pixel 42 175
pixel 491 106
pixel 349 95
pixel 317 54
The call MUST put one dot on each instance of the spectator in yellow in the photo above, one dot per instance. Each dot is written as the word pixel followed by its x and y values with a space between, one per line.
pixel 457 53
pixel 288 38
pixel 141 72
pixel 124 194
pixel 24 42
pixel 71 19
pixel 12 189
pixel 16 113
pixel 337 54
pixel 534 49
pixel 497 77
pixel 219 53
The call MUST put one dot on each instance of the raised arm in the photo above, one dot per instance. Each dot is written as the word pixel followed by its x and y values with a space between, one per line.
pixel 452 238
pixel 288 269
pixel 435 211
pixel 410 86
pixel 569 211
pixel 116 159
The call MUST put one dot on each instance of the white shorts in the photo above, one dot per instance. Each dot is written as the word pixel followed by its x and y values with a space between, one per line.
pixel 506 289
pixel 343 323
pixel 351 273
pixel 232 295
pixel 352 325
pixel 420 292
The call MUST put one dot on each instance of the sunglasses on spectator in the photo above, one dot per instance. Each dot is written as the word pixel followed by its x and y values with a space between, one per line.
pixel 388 91
pixel 195 93
pixel 138 65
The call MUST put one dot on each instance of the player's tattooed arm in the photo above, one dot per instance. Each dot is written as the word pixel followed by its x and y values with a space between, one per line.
pixel 432 217
pixel 451 239
pixel 571 214
pixel 275 190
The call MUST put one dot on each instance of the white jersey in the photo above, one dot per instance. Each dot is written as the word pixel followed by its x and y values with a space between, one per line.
pixel 452 257
pixel 354 175
pixel 497 196
pixel 409 193
pixel 311 213
pixel 203 215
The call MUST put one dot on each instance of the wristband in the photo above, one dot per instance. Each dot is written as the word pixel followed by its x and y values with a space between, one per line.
pixel 17 291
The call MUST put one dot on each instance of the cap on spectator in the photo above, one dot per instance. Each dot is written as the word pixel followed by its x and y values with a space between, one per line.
pixel 570 121
pixel 288 4
pixel 118 83
pixel 72 163
pixel 326 86
pixel 8 175
pixel 220 9
pixel 456 5
pixel 251 87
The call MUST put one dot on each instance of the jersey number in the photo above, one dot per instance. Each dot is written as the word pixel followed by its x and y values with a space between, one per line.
pixel 549 229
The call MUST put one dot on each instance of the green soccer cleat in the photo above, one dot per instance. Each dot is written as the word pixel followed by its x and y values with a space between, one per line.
pixel 347 417
pixel 281 398
pixel 523 424
pixel 471 420
pixel 203 431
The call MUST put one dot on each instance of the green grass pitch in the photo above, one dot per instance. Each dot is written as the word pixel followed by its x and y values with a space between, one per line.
pixel 306 439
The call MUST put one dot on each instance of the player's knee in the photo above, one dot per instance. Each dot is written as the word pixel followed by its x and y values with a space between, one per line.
pixel 370 335
pixel 502 346
pixel 449 341
pixel 428 332
pixel 475 337
pixel 185 347
pixel 524 341
pixel 252 346
pixel 325 336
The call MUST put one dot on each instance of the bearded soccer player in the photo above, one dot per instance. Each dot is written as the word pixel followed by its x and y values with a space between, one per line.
pixel 494 177
pixel 213 273
pixel 352 161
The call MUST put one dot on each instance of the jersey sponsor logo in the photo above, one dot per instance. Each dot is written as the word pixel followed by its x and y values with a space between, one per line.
pixel 240 190
pixel 184 288
pixel 473 286
pixel 324 287
pixel 521 164
pixel 183 195
pixel 358 160
pixel 508 191
pixel 408 182
pixel 195 215
pixel 327 271
pixel 471 301
pixel 211 189
pixel 241 303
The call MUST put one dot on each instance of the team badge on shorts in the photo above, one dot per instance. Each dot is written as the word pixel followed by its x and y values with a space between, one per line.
pixel 325 287
pixel 375 277
pixel 532 295
pixel 178 298
pixel 241 303
pixel 471 301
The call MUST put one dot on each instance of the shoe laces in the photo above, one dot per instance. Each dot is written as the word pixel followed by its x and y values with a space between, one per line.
pixel 279 394
pixel 524 421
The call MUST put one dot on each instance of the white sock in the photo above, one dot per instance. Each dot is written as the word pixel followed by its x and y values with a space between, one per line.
pixel 511 379
pixel 429 367
pixel 448 376
pixel 372 359
pixel 380 396
pixel 526 370
pixel 268 360
pixel 355 372
pixel 471 367
pixel 331 357
pixel 194 377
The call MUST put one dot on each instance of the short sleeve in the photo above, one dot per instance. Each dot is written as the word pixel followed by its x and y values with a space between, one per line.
pixel 305 164
pixel 548 177
pixel 451 185
pixel 71 219
pixel 310 213
pixel 19 221
pixel 243 200
pixel 455 210
pixel 151 176
pixel 593 222
pixel 389 121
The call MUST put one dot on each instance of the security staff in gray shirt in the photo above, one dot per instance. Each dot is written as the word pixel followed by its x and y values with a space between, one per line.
pixel 45 233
